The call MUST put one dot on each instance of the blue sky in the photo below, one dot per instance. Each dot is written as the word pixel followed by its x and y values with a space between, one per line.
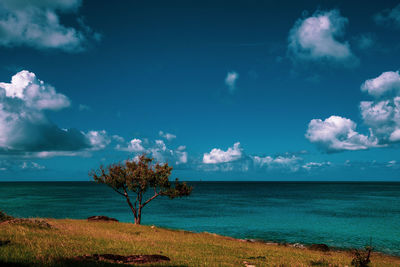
pixel 221 90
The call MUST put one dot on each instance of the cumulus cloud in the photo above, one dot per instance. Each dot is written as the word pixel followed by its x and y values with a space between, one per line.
pixel 135 145
pixel 24 126
pixel 382 114
pixel 33 92
pixel 217 155
pixel 157 150
pixel 317 38
pixel 167 136
pixel 336 134
pixel 235 159
pixel 230 80
pixel 383 85
pixel 388 17
pixel 37 24
pixel 288 162
pixel 98 139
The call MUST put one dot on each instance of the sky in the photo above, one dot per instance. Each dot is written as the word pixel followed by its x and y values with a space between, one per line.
pixel 220 90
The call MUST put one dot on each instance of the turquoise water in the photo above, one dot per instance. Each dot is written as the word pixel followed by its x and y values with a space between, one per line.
pixel 342 215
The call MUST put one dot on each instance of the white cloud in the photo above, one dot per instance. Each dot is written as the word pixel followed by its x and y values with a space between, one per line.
pixel 161 145
pixel 392 164
pixel 313 165
pixel 395 136
pixel 217 155
pixel 98 139
pixel 135 145
pixel 383 114
pixel 336 134
pixel 386 83
pixel 389 17
pixel 289 162
pixel 167 136
pixel 157 150
pixel 286 163
pixel 182 157
pixel 37 24
pixel 316 38
pixel 24 126
pixel 383 117
pixel 181 148
pixel 230 80
pixel 34 92
pixel 51 154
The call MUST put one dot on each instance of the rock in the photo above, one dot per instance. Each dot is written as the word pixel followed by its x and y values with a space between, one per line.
pixel 101 219
pixel 247 264
pixel 131 259
pixel 298 245
pixel 319 247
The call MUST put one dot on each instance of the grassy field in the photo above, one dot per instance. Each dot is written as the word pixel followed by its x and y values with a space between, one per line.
pixel 38 245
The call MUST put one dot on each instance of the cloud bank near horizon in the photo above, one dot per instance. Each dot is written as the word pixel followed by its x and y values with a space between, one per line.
pixel 25 127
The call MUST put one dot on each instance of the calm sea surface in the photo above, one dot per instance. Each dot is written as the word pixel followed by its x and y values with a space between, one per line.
pixel 338 214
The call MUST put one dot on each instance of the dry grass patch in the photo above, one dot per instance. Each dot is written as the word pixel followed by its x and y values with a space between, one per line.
pixel 67 239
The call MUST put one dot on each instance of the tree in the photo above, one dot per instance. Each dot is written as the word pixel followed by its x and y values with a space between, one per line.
pixel 138 177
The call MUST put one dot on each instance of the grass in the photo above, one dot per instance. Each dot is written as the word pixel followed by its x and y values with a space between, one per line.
pixel 55 246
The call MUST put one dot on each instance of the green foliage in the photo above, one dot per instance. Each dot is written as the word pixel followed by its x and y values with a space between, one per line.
pixel 138 177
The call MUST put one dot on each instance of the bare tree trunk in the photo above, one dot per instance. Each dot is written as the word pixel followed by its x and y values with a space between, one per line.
pixel 131 206
pixel 139 216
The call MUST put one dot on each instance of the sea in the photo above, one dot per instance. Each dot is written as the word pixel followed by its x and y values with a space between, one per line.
pixel 339 214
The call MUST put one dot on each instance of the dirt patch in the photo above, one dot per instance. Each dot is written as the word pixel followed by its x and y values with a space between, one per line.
pixel 319 247
pixel 131 259
pixel 101 219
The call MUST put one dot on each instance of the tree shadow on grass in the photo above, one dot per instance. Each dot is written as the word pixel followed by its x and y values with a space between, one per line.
pixel 89 263
pixel 12 264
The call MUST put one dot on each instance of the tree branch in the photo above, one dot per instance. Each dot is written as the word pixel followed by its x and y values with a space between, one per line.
pixel 150 199
pixel 117 191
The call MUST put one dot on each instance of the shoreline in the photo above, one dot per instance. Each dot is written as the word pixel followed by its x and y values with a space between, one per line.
pixel 297 245
pixel 47 242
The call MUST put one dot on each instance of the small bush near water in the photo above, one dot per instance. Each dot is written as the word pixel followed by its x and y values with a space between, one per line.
pixel 361 257
pixel 4 217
